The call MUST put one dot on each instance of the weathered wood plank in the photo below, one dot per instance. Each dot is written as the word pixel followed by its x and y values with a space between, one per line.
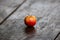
pixel 58 38
pixel 7 6
pixel 48 21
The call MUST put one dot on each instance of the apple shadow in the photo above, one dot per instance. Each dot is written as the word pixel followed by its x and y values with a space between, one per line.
pixel 30 30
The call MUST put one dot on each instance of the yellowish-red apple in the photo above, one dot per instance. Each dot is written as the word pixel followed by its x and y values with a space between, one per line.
pixel 30 20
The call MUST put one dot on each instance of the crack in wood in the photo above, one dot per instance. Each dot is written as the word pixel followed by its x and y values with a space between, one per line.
pixel 57 36
pixel 12 12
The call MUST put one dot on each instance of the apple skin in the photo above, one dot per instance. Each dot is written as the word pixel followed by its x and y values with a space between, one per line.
pixel 30 20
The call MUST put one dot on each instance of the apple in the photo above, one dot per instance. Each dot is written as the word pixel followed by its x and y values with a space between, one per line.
pixel 30 20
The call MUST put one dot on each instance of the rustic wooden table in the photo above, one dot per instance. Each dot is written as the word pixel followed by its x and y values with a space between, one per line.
pixel 12 13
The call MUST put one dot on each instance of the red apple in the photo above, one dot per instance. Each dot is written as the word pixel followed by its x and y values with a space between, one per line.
pixel 30 20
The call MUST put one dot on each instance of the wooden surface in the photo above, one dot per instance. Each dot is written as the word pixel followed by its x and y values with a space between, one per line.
pixel 48 20
pixel 7 6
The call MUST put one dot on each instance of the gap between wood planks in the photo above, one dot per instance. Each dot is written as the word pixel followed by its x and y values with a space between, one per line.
pixel 57 36
pixel 12 12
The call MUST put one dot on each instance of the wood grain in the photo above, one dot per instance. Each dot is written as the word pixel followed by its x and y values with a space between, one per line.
pixel 7 6
pixel 46 28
